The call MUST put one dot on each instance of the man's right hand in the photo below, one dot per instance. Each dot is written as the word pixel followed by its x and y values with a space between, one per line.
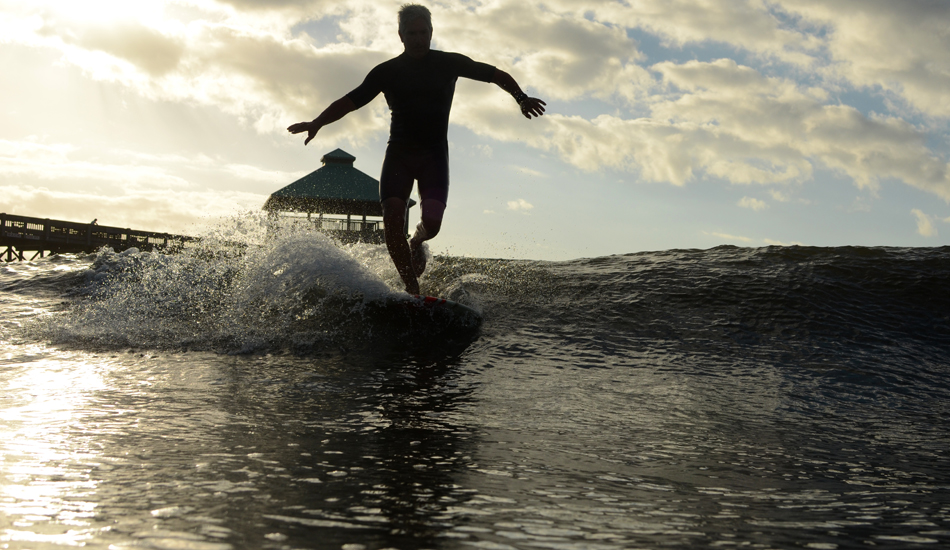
pixel 301 127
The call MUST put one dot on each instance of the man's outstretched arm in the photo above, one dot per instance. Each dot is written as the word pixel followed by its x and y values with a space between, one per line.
pixel 337 110
pixel 530 106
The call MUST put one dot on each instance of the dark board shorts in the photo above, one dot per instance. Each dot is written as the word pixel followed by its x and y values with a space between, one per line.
pixel 403 165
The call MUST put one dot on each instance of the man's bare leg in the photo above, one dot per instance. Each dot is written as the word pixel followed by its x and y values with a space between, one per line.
pixel 394 224
pixel 428 227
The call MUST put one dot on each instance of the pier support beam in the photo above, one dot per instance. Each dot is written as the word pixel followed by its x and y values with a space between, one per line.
pixel 12 254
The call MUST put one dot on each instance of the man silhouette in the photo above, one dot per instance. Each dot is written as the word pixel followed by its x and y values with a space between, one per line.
pixel 419 86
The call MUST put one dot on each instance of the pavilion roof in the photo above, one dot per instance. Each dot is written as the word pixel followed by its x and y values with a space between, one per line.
pixel 335 188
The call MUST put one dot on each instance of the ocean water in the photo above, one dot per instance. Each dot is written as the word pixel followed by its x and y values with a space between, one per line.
pixel 255 398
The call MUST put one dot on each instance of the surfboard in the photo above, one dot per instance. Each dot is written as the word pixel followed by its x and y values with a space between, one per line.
pixel 437 311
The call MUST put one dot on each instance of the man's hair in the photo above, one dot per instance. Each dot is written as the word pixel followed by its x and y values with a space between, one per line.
pixel 411 12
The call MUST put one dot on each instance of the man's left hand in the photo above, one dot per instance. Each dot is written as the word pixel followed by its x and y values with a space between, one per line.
pixel 532 106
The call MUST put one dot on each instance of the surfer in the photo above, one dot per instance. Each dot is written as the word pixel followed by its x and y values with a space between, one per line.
pixel 418 85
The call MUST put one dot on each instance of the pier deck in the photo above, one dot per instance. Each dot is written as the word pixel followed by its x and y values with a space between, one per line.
pixel 21 234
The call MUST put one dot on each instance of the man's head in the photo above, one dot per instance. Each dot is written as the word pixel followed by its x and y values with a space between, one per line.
pixel 415 29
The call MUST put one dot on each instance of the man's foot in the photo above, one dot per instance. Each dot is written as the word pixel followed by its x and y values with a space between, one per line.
pixel 418 251
pixel 411 282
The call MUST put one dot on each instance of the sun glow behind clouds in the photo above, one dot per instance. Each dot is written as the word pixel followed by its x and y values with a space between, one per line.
pixel 103 11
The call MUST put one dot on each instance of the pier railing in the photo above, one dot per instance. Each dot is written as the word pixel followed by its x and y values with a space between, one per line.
pixel 19 234
pixel 346 229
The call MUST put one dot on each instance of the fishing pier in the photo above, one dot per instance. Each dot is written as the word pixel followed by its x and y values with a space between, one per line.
pixel 22 234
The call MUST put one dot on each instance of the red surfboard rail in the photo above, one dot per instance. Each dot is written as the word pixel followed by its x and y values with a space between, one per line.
pixel 431 301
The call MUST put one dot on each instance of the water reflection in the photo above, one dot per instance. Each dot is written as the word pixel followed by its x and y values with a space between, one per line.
pixel 209 452
pixel 47 465
pixel 368 449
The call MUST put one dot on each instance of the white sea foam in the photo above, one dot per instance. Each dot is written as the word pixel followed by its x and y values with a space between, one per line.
pixel 270 287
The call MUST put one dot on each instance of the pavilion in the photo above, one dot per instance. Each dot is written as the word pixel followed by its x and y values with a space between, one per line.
pixel 337 199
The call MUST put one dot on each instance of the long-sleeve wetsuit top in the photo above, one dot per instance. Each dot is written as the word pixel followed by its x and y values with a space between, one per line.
pixel 419 93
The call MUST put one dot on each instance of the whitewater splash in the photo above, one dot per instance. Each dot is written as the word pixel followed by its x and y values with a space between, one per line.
pixel 288 289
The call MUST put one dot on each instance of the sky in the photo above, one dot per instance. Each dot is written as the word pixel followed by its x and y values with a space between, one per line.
pixel 670 123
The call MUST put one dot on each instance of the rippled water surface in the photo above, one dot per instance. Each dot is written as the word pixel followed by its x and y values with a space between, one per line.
pixel 770 398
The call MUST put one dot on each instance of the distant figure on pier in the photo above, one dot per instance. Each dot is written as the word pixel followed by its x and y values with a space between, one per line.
pixel 418 85
pixel 94 222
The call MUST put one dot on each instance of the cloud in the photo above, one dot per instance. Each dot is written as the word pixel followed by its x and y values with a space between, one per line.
pixel 752 203
pixel 900 47
pixel 925 224
pixel 520 205
pixel 729 122
pixel 139 44
pixel 861 204
pixel 723 75
pixel 54 162
pixel 771 120
pixel 271 5
pixel 232 61
pixel 752 26
pixel 128 189
pixel 565 55
pixel 529 171
pixel 67 166
pixel 728 237
pixel 779 196
pixel 174 211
